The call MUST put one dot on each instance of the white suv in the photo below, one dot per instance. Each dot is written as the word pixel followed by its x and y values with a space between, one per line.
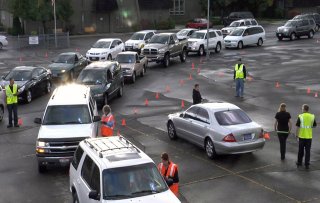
pixel 243 22
pixel 246 35
pixel 105 49
pixel 2 101
pixel 138 40
pixel 112 169
pixel 197 42
pixel 71 116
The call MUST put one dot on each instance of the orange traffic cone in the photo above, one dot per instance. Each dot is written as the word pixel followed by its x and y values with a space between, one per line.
pixel 316 94
pixel 182 104
pixel 249 78
pixel 167 88
pixel 157 95
pixel 146 102
pixel 266 136
pixel 308 90
pixel 123 122
pixel 192 66
pixel 277 85
pixel 190 76
pixel 20 121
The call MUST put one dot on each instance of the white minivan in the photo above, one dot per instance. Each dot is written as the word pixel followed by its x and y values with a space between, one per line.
pixel 112 169
pixel 245 35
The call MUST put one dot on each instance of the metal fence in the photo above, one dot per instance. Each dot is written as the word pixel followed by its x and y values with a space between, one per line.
pixel 46 41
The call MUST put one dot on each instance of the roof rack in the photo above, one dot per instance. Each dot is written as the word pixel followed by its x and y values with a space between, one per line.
pixel 104 145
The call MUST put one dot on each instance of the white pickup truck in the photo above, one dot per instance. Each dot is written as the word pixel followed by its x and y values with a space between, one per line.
pixel 132 64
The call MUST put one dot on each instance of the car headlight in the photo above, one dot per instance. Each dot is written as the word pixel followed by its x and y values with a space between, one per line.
pixel 21 89
pixel 41 144
pixel 99 95
pixel 161 51
pixel 62 71
pixel 285 29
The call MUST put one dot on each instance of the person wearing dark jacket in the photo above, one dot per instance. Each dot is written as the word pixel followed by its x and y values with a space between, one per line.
pixel 196 96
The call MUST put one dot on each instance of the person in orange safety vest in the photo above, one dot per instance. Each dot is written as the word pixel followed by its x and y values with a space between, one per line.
pixel 169 171
pixel 107 122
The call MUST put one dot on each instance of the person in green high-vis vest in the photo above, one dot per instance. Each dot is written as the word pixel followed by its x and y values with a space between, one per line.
pixel 239 76
pixel 305 122
pixel 12 102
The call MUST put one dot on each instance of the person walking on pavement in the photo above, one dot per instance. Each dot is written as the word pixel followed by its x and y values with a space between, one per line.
pixel 239 75
pixel 305 122
pixel 196 96
pixel 12 102
pixel 283 127
pixel 169 171
pixel 107 122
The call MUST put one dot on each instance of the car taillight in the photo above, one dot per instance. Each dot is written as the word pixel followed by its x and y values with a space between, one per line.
pixel 261 135
pixel 229 138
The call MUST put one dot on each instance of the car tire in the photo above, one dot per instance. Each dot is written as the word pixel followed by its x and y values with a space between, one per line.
pixel 183 56
pixel 120 91
pixel 209 147
pixel 71 76
pixel 171 131
pixel 109 57
pixel 218 47
pixel 133 77
pixel 48 87
pixel 201 51
pixel 166 60
pixel 143 71
pixel 280 38
pixel 240 45
pixel 1 113
pixel 1 45
pixel 75 198
pixel 316 28
pixel 311 34
pixel 260 42
pixel 42 168
pixel 28 96
pixel 293 36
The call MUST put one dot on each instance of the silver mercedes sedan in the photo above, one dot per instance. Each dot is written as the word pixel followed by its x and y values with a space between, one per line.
pixel 219 128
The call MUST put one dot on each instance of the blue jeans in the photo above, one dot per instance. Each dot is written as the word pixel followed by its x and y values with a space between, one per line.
pixel 239 87
pixel 13 109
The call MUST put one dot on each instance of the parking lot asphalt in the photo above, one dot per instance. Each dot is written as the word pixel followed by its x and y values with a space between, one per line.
pixel 279 72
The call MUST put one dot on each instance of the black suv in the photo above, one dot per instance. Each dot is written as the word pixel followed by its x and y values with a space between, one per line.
pixel 236 16
pixel 296 28
pixel 105 80
pixel 314 16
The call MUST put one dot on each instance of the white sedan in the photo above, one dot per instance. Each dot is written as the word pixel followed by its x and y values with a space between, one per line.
pixel 3 41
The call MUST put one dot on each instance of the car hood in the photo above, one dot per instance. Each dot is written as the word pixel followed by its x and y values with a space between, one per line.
pixel 131 41
pixel 194 40
pixel 127 65
pixel 163 197
pixel 3 83
pixel 232 37
pixel 283 27
pixel 98 50
pixel 229 28
pixel 60 66
pixel 155 46
pixel 66 131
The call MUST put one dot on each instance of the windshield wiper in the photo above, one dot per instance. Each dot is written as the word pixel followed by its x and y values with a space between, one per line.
pixel 146 191
pixel 52 123
pixel 73 122
pixel 117 196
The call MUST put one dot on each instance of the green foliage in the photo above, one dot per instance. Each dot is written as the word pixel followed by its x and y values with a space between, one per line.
pixel 164 25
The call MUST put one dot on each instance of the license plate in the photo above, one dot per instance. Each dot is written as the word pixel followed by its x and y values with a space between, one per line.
pixel 247 137
pixel 64 161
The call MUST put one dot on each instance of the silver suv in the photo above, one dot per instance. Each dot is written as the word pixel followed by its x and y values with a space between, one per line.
pixel 294 29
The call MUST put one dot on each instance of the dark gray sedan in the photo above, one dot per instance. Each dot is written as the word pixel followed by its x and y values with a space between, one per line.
pixel 219 128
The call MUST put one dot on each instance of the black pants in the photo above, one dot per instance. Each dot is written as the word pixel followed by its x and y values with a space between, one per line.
pixel 283 140
pixel 13 108
pixel 304 145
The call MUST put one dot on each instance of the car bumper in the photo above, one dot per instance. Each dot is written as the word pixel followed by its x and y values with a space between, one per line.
pixel 285 34
pixel 239 147
pixel 130 48
pixel 157 58
pixel 99 98
pixel 96 58
pixel 192 48
pixel 59 161
pixel 4 43
pixel 60 77
pixel 231 44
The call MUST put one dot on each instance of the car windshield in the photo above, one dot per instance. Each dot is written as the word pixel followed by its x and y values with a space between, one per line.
pixel 137 36
pixel 126 58
pixel 64 58
pixel 290 24
pixel 133 181
pixel 183 32
pixel 234 24
pixel 160 39
pixel 197 35
pixel 19 75
pixel 237 32
pixel 232 117
pixel 92 77
pixel 67 114
pixel 101 44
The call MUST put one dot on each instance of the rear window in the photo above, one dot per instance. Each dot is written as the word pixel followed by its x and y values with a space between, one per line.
pixel 232 117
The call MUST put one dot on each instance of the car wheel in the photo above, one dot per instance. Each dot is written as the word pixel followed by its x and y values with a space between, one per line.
pixel 218 48
pixel 133 77
pixel 280 38
pixel 211 152
pixel 260 42
pixel 48 87
pixel 42 168
pixel 71 76
pixel 109 57
pixel 183 56
pixel 240 45
pixel 1 45
pixel 316 28
pixel 143 71
pixel 171 131
pixel 1 113
pixel 120 92
pixel 293 36
pixel 166 60
pixel 310 35
pixel 75 198
pixel 201 51
pixel 28 96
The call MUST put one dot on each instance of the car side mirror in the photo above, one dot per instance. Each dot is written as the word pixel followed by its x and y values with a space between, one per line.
pixel 96 118
pixel 37 120
pixel 181 115
pixel 138 61
pixel 112 47
pixel 94 195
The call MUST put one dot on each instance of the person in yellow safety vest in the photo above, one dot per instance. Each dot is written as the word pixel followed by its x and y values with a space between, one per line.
pixel 107 122
pixel 305 122
pixel 169 172
pixel 239 76
pixel 12 102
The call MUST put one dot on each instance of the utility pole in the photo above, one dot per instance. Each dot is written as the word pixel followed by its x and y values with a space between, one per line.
pixel 55 22
pixel 208 53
